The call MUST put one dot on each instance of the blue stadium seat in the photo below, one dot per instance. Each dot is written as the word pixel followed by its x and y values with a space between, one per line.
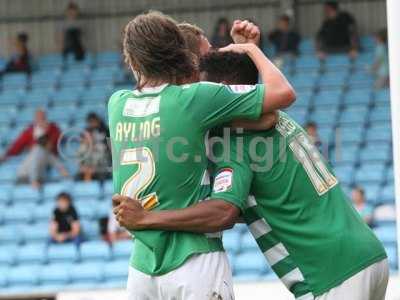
pixel 361 79
pixel 376 152
pixel 90 190
pixel 330 98
pixel 345 174
pixel 382 96
pixel 5 192
pixel 33 253
pixel 250 262
pixel 247 242
pixel 68 94
pixel 86 63
pixel 25 193
pixel 62 253
pixel 24 275
pixel 37 232
pixel 7 255
pixel 231 240
pixel 104 208
pixel 333 80
pixel 73 78
pixel 50 62
pixel 108 188
pixel 95 251
pixel 372 193
pixel 45 79
pixel 371 172
pixel 57 273
pixel 39 97
pixel 324 115
pixel 307 62
pixel 389 175
pixel 116 270
pixel 338 61
pixel 10 234
pixel 391 252
pixel 43 212
pixel 104 75
pixel 13 96
pixel 354 115
pixel 122 249
pixel 15 81
pixel 96 94
pixel 87 272
pixel 386 234
pixel 307 46
pixel 90 229
pixel 380 114
pixel 301 82
pixel 108 58
pixel 18 213
pixel 86 207
pixel 349 135
pixel 51 190
pixel 358 97
pixel 379 132
pixel 387 195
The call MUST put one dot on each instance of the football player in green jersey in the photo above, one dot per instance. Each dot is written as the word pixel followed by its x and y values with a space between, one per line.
pixel 292 203
pixel 158 134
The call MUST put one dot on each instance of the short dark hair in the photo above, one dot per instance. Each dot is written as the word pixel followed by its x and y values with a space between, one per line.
pixel 311 124
pixel 285 18
pixel 332 4
pixel 156 49
pixel 229 67
pixel 23 37
pixel 360 190
pixel 64 195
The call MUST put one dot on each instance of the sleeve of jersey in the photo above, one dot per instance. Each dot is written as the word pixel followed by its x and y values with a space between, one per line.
pixel 217 103
pixel 232 180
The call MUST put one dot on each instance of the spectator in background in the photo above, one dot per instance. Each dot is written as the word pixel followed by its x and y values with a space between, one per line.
pixel 221 36
pixel 338 33
pixel 35 166
pixel 93 151
pixel 312 131
pixel 64 225
pixel 380 67
pixel 285 40
pixel 70 33
pixel 364 209
pixel 20 61
pixel 40 127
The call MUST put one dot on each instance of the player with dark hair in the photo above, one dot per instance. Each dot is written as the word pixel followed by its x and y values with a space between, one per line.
pixel 157 134
pixel 292 203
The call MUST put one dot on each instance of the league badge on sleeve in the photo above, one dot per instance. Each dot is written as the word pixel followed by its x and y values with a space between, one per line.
pixel 223 181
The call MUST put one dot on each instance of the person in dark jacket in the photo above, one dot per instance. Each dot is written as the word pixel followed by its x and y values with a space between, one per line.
pixel 284 39
pixel 338 33
pixel 20 61
pixel 221 36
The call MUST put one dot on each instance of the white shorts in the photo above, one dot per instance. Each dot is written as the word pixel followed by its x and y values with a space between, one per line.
pixel 369 284
pixel 202 277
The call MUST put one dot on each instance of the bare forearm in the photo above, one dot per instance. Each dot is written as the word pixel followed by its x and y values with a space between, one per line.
pixel 278 93
pixel 206 216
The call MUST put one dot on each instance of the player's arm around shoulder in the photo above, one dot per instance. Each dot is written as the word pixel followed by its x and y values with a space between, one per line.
pixel 204 217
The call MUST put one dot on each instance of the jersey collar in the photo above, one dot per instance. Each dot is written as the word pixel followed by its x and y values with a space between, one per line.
pixel 151 90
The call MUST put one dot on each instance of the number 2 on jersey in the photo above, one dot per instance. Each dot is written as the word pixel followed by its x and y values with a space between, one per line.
pixel 312 162
pixel 141 179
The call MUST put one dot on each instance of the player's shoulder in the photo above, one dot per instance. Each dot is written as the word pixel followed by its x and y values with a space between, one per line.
pixel 116 96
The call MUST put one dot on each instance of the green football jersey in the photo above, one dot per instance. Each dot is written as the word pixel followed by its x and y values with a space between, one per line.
pixel 159 155
pixel 302 221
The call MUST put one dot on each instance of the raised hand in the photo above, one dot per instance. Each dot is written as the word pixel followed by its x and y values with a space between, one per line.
pixel 245 32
